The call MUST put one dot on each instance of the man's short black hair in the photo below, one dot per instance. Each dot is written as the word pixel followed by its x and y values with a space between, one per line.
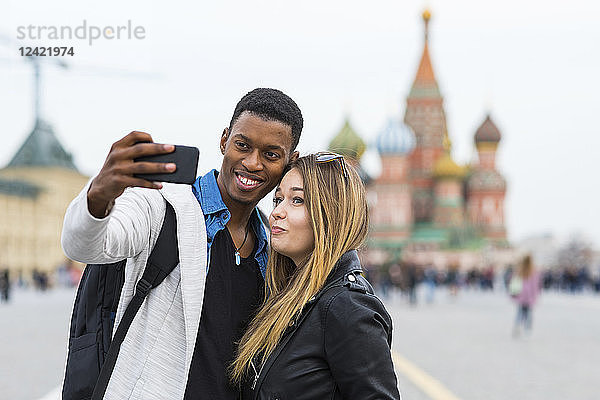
pixel 271 105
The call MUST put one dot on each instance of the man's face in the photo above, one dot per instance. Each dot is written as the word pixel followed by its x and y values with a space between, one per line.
pixel 255 154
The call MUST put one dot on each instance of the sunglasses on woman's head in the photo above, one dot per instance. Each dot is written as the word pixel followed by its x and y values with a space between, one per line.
pixel 326 156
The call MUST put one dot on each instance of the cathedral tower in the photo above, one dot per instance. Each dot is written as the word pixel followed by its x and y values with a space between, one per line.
pixel 448 211
pixel 425 115
pixel 486 187
pixel 391 210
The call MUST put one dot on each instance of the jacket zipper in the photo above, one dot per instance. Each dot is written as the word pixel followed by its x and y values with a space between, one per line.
pixel 256 375
pixel 275 353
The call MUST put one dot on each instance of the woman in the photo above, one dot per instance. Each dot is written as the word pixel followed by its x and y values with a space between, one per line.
pixel 321 333
pixel 525 288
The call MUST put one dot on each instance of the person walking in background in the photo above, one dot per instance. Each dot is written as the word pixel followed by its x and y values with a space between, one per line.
pixel 430 278
pixel 411 282
pixel 524 288
pixel 395 279
pixel 452 279
pixel 4 286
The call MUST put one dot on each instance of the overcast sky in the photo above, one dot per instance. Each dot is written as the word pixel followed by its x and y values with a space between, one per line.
pixel 533 64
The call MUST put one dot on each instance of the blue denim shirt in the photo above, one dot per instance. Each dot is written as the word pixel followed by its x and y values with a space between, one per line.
pixel 216 216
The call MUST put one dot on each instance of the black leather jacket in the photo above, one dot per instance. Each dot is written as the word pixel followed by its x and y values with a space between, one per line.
pixel 339 349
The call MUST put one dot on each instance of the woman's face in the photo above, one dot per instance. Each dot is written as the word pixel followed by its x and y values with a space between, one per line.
pixel 291 232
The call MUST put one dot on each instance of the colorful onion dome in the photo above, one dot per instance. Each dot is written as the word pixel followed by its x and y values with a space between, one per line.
pixel 487 132
pixel 395 138
pixel 348 143
pixel 486 180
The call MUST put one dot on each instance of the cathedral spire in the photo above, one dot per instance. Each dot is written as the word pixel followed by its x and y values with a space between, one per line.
pixel 425 84
pixel 426 116
pixel 426 18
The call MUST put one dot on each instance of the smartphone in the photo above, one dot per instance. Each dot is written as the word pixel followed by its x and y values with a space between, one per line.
pixel 184 157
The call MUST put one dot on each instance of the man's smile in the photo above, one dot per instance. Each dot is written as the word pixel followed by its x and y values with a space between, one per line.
pixel 246 182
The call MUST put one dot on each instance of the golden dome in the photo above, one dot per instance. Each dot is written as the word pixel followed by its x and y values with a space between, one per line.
pixel 445 167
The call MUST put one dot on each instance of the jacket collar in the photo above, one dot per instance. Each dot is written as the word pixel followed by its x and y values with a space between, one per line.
pixel 347 263
pixel 207 192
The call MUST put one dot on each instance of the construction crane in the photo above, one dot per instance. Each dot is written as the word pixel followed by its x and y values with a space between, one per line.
pixel 38 62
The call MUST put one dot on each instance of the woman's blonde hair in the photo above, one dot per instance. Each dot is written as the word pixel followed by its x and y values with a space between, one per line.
pixel 336 203
pixel 526 267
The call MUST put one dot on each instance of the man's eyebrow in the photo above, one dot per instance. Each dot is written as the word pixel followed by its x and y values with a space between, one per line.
pixel 247 139
pixel 274 147
pixel 242 136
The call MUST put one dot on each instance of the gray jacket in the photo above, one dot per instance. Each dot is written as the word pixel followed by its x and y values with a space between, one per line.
pixel 155 357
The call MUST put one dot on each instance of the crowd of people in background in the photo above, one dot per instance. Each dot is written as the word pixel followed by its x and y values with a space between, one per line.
pixel 406 277
pixel 571 280
pixel 402 277
pixel 66 275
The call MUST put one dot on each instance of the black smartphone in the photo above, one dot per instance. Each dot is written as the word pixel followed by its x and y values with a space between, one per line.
pixel 184 157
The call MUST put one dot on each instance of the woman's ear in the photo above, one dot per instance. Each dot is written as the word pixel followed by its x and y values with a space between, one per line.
pixel 294 156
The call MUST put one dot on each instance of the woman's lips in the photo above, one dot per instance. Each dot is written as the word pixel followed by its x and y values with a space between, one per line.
pixel 275 230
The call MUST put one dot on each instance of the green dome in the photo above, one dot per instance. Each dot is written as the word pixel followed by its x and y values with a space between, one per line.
pixel 348 143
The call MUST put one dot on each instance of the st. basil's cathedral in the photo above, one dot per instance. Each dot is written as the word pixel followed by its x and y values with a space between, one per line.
pixel 424 206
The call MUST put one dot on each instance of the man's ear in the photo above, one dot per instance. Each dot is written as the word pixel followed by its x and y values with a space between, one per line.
pixel 223 141
pixel 294 156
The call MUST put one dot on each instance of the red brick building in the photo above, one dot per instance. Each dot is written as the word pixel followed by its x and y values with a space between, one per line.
pixel 424 204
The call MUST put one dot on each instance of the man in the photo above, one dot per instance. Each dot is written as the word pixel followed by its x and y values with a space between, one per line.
pixel 183 338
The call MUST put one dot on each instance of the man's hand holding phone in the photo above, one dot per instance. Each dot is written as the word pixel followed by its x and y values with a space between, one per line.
pixel 120 169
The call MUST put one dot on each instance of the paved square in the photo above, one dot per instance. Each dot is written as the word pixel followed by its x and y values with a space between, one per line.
pixel 466 344
pixel 463 343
